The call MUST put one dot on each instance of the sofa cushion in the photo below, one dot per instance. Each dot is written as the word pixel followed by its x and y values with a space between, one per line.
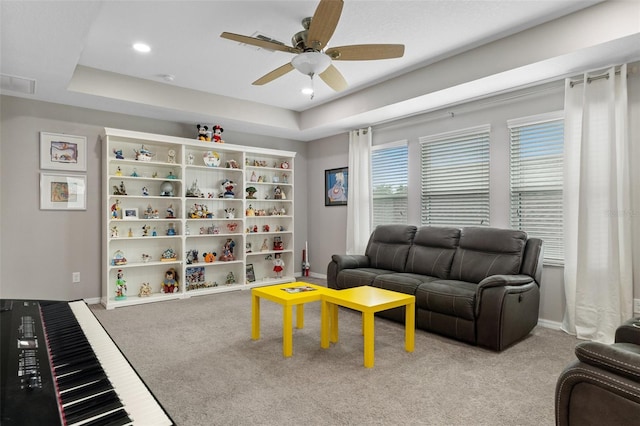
pixel 389 246
pixel 348 278
pixel 432 251
pixel 487 251
pixel 400 282
pixel 448 297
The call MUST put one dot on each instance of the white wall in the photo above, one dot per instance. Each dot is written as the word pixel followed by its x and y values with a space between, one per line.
pixel 41 248
pixel 333 152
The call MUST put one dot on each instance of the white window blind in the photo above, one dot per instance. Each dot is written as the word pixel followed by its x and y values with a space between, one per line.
pixel 537 179
pixel 455 178
pixel 389 179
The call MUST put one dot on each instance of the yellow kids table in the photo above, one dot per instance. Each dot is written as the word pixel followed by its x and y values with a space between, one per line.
pixel 288 295
pixel 367 300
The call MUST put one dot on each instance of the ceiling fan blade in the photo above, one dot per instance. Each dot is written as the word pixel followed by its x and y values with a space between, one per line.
pixel 366 52
pixel 278 72
pixel 324 23
pixel 265 44
pixel 334 79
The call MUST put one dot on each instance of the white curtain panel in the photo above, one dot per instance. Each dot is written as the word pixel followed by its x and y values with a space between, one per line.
pixel 597 206
pixel 359 191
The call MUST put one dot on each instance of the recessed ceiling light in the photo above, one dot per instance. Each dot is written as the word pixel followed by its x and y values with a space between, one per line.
pixel 307 91
pixel 142 47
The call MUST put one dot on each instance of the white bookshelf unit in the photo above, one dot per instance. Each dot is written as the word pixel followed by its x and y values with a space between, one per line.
pixel 166 199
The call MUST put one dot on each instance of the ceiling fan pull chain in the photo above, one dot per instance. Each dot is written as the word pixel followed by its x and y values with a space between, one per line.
pixel 313 89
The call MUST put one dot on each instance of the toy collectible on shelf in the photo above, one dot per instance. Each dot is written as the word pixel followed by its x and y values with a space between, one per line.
pixel 121 286
pixel 170 283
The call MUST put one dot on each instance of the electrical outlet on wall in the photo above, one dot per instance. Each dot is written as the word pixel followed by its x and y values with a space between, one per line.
pixel 75 277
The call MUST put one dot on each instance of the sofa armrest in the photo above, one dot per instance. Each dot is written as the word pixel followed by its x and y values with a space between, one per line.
pixel 629 332
pixel 346 261
pixel 343 261
pixel 619 358
pixel 503 281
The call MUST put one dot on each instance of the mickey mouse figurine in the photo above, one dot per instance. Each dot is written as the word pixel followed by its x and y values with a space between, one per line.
pixel 203 133
pixel 217 133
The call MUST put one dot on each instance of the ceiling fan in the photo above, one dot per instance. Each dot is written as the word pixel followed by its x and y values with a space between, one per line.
pixel 309 47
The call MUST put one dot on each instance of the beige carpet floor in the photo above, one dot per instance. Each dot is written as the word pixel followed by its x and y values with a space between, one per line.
pixel 197 357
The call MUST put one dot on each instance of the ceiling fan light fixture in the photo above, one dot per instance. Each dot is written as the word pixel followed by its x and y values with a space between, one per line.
pixel 307 91
pixel 311 63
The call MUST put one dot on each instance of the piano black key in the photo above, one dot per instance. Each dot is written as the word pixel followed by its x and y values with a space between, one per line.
pixel 65 383
pixel 85 391
pixel 116 418
pixel 92 407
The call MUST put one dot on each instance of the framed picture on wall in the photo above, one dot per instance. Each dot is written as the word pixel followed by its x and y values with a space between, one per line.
pixel 63 152
pixel 63 192
pixel 336 186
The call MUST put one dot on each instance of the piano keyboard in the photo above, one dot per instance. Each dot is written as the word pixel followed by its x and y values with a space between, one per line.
pixel 89 379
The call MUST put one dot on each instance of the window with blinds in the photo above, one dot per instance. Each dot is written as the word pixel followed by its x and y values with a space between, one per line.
pixel 389 179
pixel 455 178
pixel 537 145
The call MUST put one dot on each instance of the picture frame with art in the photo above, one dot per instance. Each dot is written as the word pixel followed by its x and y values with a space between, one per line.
pixel 130 213
pixel 63 152
pixel 336 186
pixel 250 273
pixel 60 191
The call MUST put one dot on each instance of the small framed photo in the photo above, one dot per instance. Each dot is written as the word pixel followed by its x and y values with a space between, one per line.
pixel 251 275
pixel 63 192
pixel 336 186
pixel 63 152
pixel 129 213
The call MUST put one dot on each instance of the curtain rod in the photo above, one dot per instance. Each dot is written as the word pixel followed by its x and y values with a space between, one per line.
pixel 590 79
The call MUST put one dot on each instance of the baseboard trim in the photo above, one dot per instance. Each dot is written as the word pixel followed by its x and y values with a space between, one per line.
pixel 92 301
pixel 554 325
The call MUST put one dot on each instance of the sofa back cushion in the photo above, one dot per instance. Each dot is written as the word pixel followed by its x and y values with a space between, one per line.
pixel 432 251
pixel 389 246
pixel 487 251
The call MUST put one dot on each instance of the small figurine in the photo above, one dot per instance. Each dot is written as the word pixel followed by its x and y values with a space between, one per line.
pixel 171 212
pixel 146 258
pixel 154 233
pixel 190 159
pixel 121 190
pixel 166 189
pixel 116 210
pixel 265 246
pixel 209 257
pixel 231 279
pixel 227 250
pixel 202 133
pixel 134 173
pixel 277 243
pixel 119 171
pixel 277 193
pixel 170 283
pixel 217 133
pixel 171 230
pixel 168 255
pixel 121 286
pixel 171 175
pixel 118 153
pixel 192 256
pixel 230 213
pixel 250 191
pixel 278 265
pixel 250 211
pixel 253 178
pixel 194 191
pixel 171 156
pixel 130 233
pixel 114 232
pixel 228 186
pixel 265 228
pixel 145 191
pixel 145 290
pixel 145 230
pixel 143 154
pixel 232 226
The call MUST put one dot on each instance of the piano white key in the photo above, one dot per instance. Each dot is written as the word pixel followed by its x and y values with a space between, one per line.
pixel 136 398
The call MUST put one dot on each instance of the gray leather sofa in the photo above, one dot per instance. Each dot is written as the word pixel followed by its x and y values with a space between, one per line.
pixel 602 387
pixel 479 285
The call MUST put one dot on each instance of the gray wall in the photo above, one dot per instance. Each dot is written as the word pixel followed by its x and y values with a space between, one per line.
pixel 326 235
pixel 39 249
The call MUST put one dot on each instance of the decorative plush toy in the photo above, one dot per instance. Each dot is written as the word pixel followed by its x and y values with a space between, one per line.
pixel 170 283
pixel 203 133
pixel 217 133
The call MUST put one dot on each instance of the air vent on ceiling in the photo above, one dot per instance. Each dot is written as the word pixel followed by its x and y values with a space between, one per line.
pixel 262 37
pixel 18 84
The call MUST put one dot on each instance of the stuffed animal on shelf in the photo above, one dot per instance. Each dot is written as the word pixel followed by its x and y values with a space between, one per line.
pixel 203 133
pixel 170 283
pixel 217 133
